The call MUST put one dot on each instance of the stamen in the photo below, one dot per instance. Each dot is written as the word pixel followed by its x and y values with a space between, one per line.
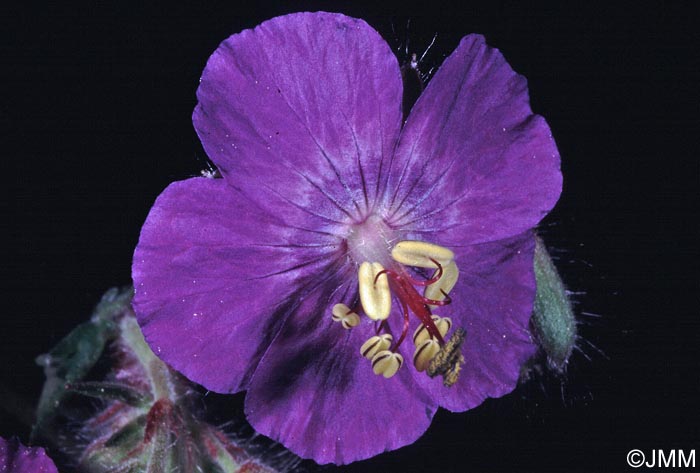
pixel 350 321
pixel 343 314
pixel 374 291
pixel 444 284
pixel 377 287
pixel 386 363
pixel 449 359
pixel 434 303
pixel 421 254
pixel 421 333
pixel 425 352
pixel 443 324
pixel 435 278
pixel 376 344
pixel 339 311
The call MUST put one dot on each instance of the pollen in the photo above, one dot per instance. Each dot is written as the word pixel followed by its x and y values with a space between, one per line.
pixel 386 363
pixel 448 361
pixel 374 291
pixel 421 254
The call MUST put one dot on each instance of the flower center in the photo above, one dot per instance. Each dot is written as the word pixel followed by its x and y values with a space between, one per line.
pixel 370 240
pixel 383 278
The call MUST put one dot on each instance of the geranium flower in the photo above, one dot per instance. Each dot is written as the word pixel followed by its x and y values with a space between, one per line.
pixel 342 243
pixel 16 458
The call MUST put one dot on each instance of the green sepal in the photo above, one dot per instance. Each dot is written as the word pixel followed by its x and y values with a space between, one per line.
pixel 73 357
pixel 110 391
pixel 147 420
pixel 553 318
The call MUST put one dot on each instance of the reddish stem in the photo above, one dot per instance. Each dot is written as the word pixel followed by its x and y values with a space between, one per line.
pixel 404 330
pixel 445 301
pixel 430 281
pixel 408 295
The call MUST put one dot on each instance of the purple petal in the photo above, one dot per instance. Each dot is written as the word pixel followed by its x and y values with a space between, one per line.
pixel 318 396
pixel 16 458
pixel 212 275
pixel 301 114
pixel 493 302
pixel 474 164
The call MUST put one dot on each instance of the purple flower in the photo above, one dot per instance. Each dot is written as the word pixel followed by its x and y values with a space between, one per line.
pixel 330 209
pixel 16 458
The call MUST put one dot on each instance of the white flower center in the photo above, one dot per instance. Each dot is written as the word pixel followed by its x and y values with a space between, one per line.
pixel 371 240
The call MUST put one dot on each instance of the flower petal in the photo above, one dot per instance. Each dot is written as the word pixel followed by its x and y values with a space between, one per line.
pixel 213 275
pixel 301 113
pixel 493 301
pixel 16 458
pixel 473 163
pixel 318 396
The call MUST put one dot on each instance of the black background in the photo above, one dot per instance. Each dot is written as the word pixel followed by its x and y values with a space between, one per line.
pixel 97 110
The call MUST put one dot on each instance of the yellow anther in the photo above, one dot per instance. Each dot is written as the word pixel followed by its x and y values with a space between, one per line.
pixel 421 333
pixel 443 324
pixel 425 352
pixel 343 314
pixel 386 363
pixel 437 290
pixel 351 320
pixel 376 344
pixel 339 312
pixel 420 253
pixel 375 298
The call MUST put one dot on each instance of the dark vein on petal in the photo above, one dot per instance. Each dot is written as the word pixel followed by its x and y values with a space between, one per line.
pixel 343 298
pixel 394 150
pixel 291 268
pixel 311 135
pixel 310 230
pixel 441 230
pixel 304 209
pixel 292 169
pixel 407 164
pixel 407 194
pixel 381 159
pixel 344 253
pixel 327 277
pixel 276 220
pixel 294 245
pixel 429 214
pixel 425 195
pixel 451 110
pixel 359 160
pixel 333 201
pixel 465 194
pixel 377 193
pixel 440 177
